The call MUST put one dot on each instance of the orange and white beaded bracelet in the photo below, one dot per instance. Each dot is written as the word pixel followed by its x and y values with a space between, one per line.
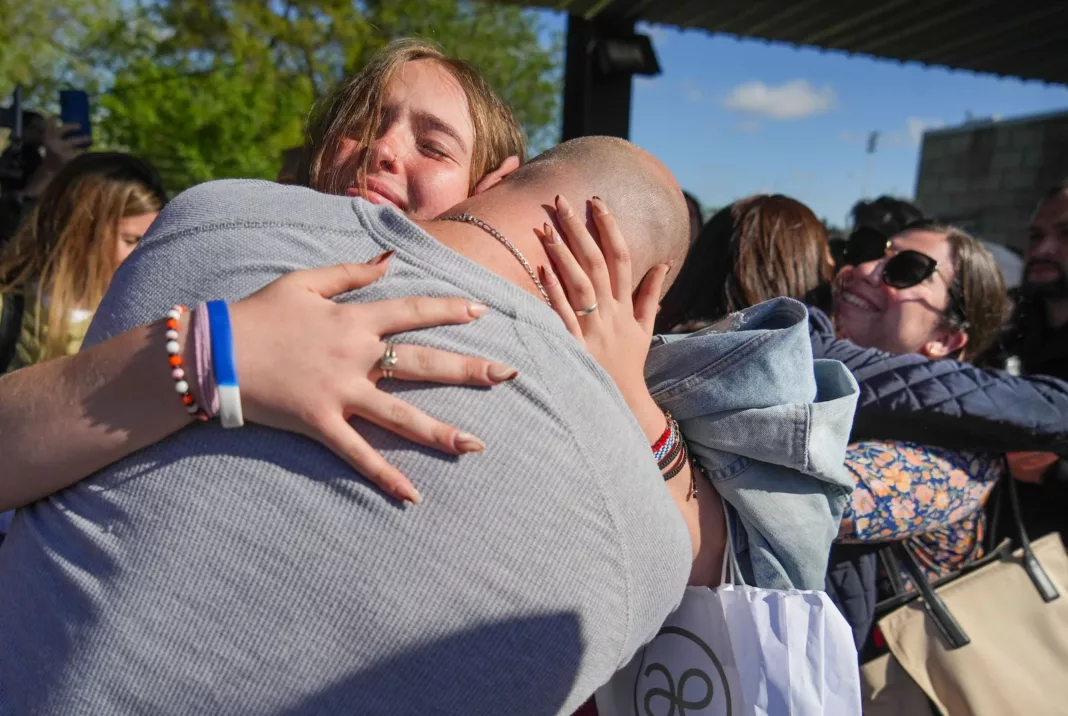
pixel 174 353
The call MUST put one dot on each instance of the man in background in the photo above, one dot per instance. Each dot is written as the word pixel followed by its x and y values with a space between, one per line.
pixel 1036 343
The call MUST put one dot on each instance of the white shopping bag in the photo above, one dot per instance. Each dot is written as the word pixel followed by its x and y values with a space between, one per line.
pixel 738 650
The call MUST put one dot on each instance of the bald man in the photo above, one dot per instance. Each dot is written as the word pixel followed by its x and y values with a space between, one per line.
pixel 250 571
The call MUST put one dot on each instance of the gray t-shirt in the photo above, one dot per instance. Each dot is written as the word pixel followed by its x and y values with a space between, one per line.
pixel 250 571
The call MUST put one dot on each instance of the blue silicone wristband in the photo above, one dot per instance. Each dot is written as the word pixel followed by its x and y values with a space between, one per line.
pixel 224 366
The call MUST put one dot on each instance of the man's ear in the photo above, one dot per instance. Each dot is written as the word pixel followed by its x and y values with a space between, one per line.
pixel 508 166
pixel 946 344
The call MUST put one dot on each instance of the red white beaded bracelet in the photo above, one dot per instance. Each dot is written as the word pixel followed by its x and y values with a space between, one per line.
pixel 174 353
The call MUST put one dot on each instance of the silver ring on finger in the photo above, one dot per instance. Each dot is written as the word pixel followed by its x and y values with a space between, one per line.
pixel 586 311
pixel 388 361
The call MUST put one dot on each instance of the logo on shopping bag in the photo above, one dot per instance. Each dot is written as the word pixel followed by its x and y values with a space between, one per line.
pixel 680 675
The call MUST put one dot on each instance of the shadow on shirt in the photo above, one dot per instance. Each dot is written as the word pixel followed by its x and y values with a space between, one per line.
pixel 522 666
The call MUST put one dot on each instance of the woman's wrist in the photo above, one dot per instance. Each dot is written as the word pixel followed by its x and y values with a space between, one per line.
pixel 649 415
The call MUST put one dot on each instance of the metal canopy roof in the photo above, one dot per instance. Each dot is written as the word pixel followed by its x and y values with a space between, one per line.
pixel 1024 38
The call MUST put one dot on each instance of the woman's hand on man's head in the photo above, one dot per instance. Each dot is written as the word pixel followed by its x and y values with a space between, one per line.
pixel 592 291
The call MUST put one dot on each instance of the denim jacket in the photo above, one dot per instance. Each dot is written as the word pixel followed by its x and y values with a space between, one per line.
pixel 770 427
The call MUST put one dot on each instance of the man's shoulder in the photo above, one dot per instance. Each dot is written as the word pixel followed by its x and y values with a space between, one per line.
pixel 250 202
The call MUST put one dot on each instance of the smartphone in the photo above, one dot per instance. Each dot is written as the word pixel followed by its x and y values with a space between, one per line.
pixel 74 108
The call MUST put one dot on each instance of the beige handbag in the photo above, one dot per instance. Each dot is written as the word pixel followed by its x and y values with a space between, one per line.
pixel 989 641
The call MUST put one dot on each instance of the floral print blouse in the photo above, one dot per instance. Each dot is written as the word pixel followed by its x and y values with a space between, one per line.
pixel 932 497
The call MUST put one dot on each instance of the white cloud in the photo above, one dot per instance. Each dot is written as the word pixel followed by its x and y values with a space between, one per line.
pixel 791 100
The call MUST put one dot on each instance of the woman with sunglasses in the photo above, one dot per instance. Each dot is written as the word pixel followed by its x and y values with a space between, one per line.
pixel 907 309
pixel 936 292
pixel 904 294
pixel 757 249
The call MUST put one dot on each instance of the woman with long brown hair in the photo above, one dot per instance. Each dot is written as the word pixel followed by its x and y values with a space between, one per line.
pixel 61 260
pixel 757 248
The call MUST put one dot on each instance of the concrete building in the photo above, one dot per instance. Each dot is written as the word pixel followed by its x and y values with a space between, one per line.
pixel 986 176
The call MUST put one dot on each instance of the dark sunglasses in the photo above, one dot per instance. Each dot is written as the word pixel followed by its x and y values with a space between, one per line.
pixel 904 269
pixel 868 244
pixel 908 268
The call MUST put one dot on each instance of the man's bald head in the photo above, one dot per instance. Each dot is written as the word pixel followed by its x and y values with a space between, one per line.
pixel 641 192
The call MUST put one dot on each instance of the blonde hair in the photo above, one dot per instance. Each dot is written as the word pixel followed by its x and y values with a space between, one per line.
pixel 354 109
pixel 66 247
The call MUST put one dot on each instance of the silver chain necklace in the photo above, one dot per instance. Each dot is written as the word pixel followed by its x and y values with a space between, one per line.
pixel 468 219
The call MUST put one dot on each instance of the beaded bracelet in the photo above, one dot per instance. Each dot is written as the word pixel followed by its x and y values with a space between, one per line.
pixel 664 437
pixel 672 454
pixel 679 464
pixel 683 461
pixel 669 459
pixel 665 449
pixel 174 359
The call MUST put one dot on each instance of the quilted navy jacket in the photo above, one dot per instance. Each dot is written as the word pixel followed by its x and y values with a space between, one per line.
pixel 945 402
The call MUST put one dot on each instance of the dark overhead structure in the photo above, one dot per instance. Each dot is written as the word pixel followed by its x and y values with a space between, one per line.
pixel 1027 39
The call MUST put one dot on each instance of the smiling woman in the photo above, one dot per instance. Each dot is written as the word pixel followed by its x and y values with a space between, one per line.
pixel 937 292
pixel 415 129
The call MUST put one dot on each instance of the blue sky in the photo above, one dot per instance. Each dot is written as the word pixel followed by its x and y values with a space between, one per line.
pixel 736 117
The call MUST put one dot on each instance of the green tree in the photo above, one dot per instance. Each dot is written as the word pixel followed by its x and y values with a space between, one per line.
pixel 218 88
pixel 44 45
pixel 228 122
pixel 500 40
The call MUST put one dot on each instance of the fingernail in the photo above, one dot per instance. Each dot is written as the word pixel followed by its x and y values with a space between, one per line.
pixel 466 442
pixel 476 310
pixel 500 373
pixel 562 207
pixel 414 496
pixel 383 257
pixel 548 277
pixel 598 205
pixel 670 264
pixel 548 235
